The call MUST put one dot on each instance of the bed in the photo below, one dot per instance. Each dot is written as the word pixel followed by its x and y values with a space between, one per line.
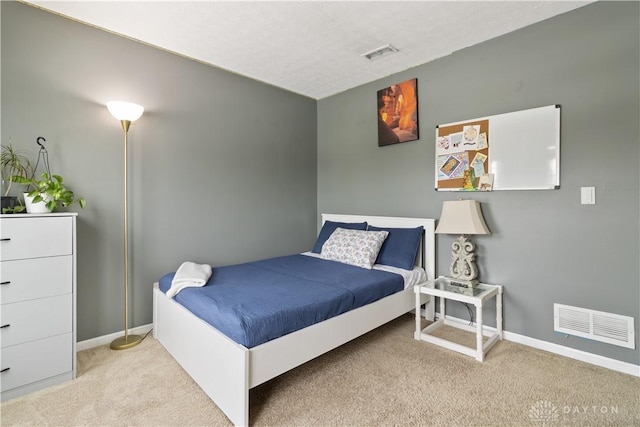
pixel 232 369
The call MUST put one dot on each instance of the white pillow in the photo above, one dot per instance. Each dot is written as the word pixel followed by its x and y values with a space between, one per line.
pixel 355 247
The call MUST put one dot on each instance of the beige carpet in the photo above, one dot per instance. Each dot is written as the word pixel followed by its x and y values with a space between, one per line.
pixel 382 378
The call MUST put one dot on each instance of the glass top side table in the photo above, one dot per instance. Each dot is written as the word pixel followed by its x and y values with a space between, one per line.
pixel 445 290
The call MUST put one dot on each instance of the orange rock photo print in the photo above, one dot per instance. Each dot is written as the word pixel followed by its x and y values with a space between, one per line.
pixel 398 113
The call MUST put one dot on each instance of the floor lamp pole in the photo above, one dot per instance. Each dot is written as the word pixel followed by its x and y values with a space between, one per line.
pixel 127 340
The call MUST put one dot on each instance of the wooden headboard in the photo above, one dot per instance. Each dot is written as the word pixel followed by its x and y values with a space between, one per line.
pixel 428 248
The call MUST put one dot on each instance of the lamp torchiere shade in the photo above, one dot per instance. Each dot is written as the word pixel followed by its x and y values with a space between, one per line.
pixel 462 217
pixel 125 112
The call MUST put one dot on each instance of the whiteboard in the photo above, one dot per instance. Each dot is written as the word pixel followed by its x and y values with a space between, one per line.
pixel 524 149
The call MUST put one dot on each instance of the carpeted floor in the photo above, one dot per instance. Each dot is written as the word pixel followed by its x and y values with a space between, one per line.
pixel 383 378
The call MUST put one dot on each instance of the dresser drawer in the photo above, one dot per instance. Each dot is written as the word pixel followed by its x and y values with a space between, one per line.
pixel 35 319
pixel 36 360
pixel 36 237
pixel 35 278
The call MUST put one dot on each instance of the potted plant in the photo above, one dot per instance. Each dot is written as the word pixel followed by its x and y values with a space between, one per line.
pixel 48 193
pixel 15 166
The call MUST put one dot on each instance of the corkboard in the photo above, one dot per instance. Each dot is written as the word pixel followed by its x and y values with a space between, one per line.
pixel 453 157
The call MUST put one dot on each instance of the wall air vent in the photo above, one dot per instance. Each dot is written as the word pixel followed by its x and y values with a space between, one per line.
pixel 381 51
pixel 596 325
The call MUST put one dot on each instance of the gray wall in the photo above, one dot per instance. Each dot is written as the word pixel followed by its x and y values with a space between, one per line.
pixel 546 247
pixel 222 168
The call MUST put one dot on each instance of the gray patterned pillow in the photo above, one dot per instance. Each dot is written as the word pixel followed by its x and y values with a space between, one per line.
pixel 355 247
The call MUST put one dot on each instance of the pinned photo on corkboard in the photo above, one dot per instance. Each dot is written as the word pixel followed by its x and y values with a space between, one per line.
pixel 398 113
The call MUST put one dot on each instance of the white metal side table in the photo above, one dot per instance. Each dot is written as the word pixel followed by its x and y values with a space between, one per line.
pixel 481 293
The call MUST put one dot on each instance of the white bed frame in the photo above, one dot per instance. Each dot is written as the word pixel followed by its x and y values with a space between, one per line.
pixel 226 370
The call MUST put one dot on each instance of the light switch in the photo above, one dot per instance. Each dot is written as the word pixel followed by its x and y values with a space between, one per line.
pixel 588 195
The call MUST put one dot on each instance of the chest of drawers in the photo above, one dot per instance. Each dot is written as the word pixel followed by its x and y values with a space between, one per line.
pixel 37 301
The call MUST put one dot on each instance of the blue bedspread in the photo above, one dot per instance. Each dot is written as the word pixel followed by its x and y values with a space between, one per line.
pixel 256 302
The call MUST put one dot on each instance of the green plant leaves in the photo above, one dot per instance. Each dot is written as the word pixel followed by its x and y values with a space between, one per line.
pixel 52 189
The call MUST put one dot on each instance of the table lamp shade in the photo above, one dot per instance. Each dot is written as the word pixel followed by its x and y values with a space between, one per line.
pixel 461 217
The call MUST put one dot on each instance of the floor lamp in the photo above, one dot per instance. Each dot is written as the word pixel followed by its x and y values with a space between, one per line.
pixel 127 113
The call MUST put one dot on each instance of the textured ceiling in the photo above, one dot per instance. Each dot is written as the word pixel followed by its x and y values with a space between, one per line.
pixel 313 48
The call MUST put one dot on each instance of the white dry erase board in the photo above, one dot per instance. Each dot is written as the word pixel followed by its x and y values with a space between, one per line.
pixel 511 151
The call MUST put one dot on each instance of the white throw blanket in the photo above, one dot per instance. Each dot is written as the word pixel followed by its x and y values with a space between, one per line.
pixel 189 274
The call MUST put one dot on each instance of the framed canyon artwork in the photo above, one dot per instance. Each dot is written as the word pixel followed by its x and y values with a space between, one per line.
pixel 398 113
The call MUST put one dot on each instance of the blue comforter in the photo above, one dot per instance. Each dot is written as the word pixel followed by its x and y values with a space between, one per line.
pixel 256 302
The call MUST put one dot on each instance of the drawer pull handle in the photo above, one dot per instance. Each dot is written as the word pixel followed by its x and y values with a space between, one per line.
pixel 5 370
pixel 8 282
pixel 5 239
pixel 5 326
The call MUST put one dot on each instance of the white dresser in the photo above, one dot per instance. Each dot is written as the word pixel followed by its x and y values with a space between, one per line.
pixel 37 301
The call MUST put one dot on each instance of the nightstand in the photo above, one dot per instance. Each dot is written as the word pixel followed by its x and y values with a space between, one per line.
pixel 481 293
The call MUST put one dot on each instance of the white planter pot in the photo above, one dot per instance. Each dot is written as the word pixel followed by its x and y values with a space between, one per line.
pixel 39 207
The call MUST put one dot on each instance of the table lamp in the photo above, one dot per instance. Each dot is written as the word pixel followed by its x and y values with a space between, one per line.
pixel 462 217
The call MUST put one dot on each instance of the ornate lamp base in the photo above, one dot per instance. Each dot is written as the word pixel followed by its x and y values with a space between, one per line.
pixel 123 343
pixel 463 268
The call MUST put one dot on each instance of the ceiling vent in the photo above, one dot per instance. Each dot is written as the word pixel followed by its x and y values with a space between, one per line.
pixel 596 325
pixel 379 52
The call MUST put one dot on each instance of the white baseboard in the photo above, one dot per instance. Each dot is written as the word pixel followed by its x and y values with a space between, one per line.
pixel 583 356
pixel 572 353
pixel 106 339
